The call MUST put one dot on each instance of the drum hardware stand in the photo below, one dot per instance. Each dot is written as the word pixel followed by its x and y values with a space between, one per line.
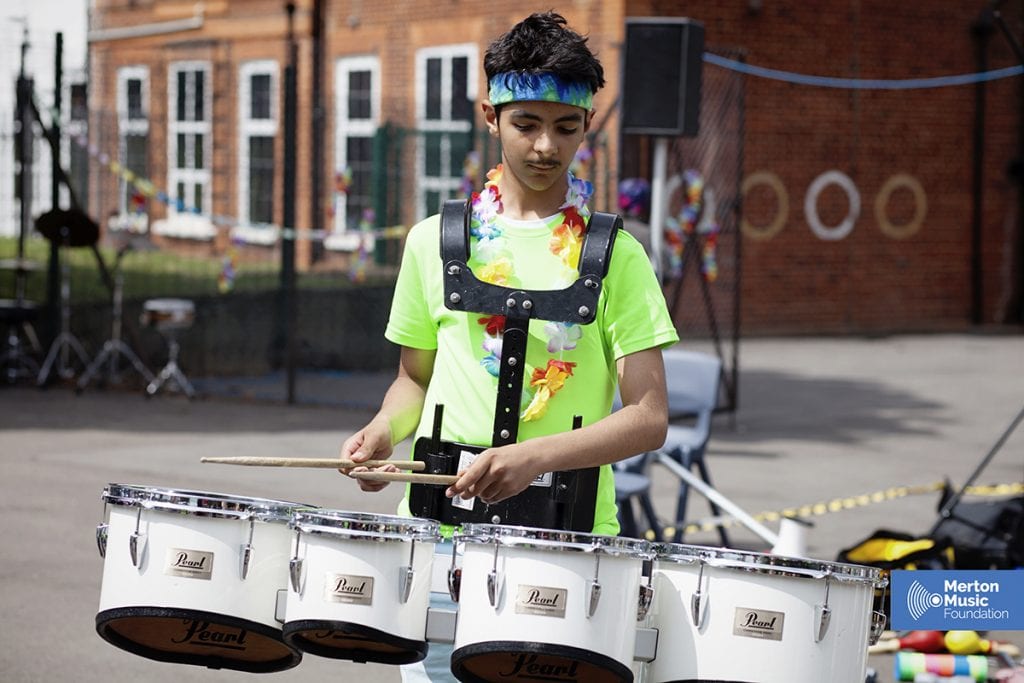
pixel 171 371
pixel 569 502
pixel 114 347
pixel 65 341
pixel 769 536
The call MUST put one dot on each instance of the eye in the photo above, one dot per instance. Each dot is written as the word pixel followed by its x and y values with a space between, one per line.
pixel 522 127
pixel 568 131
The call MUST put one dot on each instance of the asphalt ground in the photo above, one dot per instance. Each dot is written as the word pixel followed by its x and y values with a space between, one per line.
pixel 819 421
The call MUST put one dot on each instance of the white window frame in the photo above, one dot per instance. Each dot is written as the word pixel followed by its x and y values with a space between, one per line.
pixel 344 128
pixel 188 224
pixel 448 185
pixel 248 126
pixel 126 219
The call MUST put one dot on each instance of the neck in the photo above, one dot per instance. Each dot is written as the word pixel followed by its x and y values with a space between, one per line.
pixel 520 202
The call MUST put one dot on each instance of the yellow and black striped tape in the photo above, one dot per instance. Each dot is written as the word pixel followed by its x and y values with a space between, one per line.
pixel 839 504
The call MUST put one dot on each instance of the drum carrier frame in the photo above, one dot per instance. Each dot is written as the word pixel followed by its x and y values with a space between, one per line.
pixel 563 500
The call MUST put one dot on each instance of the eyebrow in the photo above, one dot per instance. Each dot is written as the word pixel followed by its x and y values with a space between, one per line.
pixel 568 118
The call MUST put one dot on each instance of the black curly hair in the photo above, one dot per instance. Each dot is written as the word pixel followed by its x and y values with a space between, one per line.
pixel 543 43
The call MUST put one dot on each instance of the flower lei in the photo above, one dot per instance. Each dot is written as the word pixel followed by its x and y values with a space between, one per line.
pixel 495 267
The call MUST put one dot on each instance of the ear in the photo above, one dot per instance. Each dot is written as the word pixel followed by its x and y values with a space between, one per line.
pixel 490 117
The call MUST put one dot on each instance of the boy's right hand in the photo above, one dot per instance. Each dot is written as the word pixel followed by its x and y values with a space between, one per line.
pixel 372 442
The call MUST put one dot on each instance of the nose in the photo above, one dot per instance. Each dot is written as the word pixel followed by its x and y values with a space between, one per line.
pixel 545 144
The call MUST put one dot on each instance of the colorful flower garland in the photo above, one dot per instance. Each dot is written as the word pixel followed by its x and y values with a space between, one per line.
pixel 687 223
pixel 490 251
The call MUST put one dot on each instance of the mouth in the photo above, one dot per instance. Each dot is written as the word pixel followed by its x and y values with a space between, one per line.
pixel 543 168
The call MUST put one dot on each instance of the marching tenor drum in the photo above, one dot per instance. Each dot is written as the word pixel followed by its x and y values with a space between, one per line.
pixel 541 604
pixel 192 577
pixel 744 617
pixel 360 585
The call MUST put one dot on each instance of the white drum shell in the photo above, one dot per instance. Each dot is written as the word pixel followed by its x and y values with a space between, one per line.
pixel 225 592
pixel 612 629
pixel 714 652
pixel 326 555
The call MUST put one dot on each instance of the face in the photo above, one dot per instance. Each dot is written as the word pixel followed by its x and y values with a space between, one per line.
pixel 538 140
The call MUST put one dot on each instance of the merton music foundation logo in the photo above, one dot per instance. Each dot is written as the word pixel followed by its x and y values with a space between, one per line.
pixel 958 599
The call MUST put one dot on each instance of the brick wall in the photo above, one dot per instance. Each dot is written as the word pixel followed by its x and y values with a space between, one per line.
pixel 889 272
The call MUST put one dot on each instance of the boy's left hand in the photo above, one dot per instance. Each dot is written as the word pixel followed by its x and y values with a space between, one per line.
pixel 496 474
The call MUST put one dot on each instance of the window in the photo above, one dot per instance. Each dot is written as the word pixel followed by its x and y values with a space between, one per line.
pixel 133 138
pixel 188 137
pixel 357 106
pixel 257 126
pixel 445 97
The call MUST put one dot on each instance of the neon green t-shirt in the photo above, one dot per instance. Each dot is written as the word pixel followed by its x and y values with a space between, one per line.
pixel 632 316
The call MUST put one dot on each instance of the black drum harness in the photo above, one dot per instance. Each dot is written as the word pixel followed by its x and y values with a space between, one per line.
pixel 556 500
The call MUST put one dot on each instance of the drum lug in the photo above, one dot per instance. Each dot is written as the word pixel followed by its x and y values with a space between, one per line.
pixel 878 621
pixel 101 538
pixel 644 604
pixel 137 541
pixel 494 579
pixel 454 583
pixel 247 550
pixel 405 576
pixel 295 573
pixel 246 557
pixel 595 586
pixel 136 544
pixel 823 613
pixel 698 605
pixel 295 565
pixel 823 616
pixel 595 598
pixel 493 587
pixel 454 578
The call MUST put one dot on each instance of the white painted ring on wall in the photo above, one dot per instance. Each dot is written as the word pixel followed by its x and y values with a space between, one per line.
pixel 781 214
pixel 895 182
pixel 845 226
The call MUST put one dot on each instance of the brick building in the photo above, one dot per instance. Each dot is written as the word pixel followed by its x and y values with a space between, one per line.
pixel 864 210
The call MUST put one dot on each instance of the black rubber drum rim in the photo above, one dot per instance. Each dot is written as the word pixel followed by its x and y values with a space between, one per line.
pixel 106 631
pixel 415 650
pixel 492 647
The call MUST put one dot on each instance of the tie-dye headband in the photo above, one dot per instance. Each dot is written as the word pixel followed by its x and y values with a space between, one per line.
pixel 543 87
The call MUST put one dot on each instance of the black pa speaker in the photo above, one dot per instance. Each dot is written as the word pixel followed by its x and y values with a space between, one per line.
pixel 661 77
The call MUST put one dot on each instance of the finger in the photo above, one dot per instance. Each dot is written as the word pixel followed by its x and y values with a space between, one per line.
pixel 464 486
pixel 492 494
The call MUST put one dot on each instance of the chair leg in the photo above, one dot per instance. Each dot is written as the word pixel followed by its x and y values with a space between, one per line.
pixel 652 518
pixel 715 510
pixel 627 520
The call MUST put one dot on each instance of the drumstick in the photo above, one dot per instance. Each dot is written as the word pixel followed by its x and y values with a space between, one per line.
pixel 332 463
pixel 409 477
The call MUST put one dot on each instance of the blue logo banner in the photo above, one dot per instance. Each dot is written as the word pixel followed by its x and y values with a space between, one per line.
pixel 947 600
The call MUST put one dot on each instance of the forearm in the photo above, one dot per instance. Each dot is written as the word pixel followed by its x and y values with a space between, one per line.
pixel 626 432
pixel 401 408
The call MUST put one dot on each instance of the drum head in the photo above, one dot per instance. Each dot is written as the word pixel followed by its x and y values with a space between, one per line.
pixel 505 660
pixel 179 636
pixel 358 643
